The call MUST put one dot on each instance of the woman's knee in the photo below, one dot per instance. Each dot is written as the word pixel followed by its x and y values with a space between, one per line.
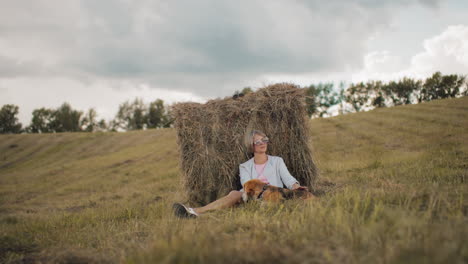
pixel 235 194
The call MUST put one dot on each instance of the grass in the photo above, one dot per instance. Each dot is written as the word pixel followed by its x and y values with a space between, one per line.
pixel 393 183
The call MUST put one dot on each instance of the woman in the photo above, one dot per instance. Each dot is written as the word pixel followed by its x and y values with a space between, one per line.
pixel 269 169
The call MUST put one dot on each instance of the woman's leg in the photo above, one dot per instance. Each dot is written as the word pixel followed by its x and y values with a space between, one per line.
pixel 229 200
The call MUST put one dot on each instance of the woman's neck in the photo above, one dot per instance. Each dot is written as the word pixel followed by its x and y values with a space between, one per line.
pixel 260 158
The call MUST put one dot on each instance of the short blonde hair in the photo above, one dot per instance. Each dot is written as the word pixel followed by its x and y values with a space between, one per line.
pixel 249 139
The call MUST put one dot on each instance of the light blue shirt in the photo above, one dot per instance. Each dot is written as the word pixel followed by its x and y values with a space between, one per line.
pixel 275 171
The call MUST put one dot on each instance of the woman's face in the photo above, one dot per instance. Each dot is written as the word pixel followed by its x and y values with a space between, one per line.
pixel 259 148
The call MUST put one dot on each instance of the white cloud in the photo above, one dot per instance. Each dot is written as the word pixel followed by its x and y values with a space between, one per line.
pixel 446 52
pixel 381 61
pixel 379 65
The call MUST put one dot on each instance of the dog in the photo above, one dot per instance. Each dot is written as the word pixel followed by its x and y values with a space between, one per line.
pixel 257 190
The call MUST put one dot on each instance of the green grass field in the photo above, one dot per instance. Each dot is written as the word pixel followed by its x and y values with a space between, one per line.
pixel 394 184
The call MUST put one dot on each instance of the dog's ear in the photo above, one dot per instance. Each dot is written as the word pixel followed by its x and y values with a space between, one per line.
pixel 249 190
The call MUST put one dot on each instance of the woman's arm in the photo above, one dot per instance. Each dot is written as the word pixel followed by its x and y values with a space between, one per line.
pixel 244 175
pixel 296 186
pixel 286 177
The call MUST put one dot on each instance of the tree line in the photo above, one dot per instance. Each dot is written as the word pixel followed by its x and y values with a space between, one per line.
pixel 130 116
pixel 321 99
pixel 363 96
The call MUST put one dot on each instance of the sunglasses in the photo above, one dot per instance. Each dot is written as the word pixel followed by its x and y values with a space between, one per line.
pixel 260 141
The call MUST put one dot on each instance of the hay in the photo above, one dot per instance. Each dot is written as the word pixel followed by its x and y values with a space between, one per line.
pixel 211 138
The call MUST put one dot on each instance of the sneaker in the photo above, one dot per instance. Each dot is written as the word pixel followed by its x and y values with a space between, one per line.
pixel 182 211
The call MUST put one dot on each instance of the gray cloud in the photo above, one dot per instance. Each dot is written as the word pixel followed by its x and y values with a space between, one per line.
pixel 11 67
pixel 205 47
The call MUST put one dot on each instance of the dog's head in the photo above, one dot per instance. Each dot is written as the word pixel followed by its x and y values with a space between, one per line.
pixel 252 189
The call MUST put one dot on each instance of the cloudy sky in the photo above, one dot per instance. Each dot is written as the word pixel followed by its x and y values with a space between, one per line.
pixel 101 53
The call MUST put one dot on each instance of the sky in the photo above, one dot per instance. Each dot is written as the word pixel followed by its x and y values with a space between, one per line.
pixel 99 54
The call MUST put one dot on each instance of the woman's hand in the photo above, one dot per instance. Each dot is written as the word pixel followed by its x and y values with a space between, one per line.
pixel 296 186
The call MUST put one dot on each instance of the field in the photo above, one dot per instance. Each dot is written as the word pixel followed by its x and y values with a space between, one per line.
pixel 393 189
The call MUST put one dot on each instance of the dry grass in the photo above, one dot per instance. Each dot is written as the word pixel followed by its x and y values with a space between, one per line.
pixel 394 182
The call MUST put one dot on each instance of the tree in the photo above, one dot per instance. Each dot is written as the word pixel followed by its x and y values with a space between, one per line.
pixel 41 121
pixel 169 117
pixel 89 122
pixel 465 92
pixel 246 90
pixel 342 98
pixel 358 96
pixel 156 114
pixel 65 119
pixel 440 86
pixel 8 120
pixel 451 85
pixel 320 97
pixel 123 118
pixel 402 91
pixel 311 94
pixel 102 125
pixel 379 94
pixel 130 116
pixel 139 114
pixel 327 98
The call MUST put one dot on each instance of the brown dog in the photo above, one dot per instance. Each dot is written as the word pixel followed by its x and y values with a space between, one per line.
pixel 257 190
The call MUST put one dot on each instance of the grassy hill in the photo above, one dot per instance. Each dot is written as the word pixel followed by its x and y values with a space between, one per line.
pixel 394 184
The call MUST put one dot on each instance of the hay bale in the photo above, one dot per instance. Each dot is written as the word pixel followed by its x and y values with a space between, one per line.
pixel 211 138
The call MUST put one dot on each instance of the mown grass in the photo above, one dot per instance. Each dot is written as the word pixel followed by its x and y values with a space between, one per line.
pixel 393 184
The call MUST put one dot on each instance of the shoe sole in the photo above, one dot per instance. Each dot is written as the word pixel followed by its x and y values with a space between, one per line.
pixel 181 212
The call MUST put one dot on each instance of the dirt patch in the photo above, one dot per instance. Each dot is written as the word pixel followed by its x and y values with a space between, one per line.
pixel 25 197
pixel 80 207
pixel 119 164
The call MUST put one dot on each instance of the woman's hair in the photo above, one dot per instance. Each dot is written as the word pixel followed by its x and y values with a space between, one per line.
pixel 249 139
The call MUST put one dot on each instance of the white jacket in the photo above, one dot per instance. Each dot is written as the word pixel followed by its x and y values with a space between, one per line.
pixel 275 171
